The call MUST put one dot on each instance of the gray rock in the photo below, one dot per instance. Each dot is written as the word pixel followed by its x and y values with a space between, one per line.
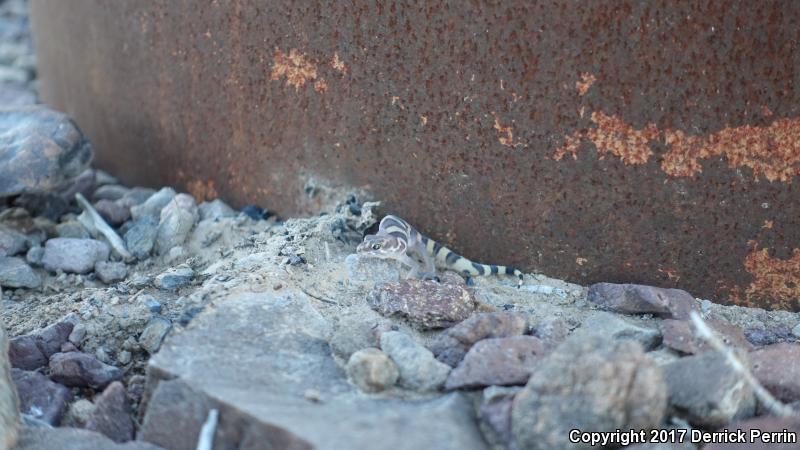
pixel 705 391
pixel 497 361
pixel 39 397
pixel 73 255
pixel 371 270
pixel 136 196
pixel 352 332
pixel 588 384
pixel 777 368
pixel 154 333
pixel 680 335
pixel 16 96
pixel 141 237
pixel 426 304
pixel 34 256
pixel 112 414
pixel 278 342
pixel 371 370
pixel 42 149
pixel 112 212
pixel 554 330
pixel 495 414
pixel 110 192
pixel 174 278
pixel 640 299
pixel 177 219
pixel 451 345
pixel 78 334
pixel 12 242
pixel 616 327
pixel 73 439
pixel 153 205
pixel 72 229
pixel 215 209
pixel 419 369
pixel 103 178
pixel 15 273
pixel 77 369
pixel 110 272
pixel 78 413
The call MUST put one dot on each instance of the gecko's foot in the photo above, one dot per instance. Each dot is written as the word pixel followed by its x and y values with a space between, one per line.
pixel 470 281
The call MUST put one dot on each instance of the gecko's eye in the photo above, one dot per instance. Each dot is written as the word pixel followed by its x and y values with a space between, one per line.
pixel 376 246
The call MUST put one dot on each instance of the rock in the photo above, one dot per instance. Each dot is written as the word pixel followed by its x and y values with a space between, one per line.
pixel 362 269
pixel 16 96
pixel 41 398
pixel 418 368
pixel 72 229
pixel 73 255
pixel 141 237
pixel 78 334
pixel 177 219
pixel 495 413
pixel 554 330
pixel 777 368
pixel 640 299
pixel 12 242
pixel 83 184
pixel 110 192
pixel 452 344
pixel 34 256
pixel 47 205
pixel 426 304
pixel 68 347
pixel 103 178
pixel 680 335
pixel 371 370
pixel 15 273
pixel 278 342
pixel 31 351
pixel 42 150
pixel 759 428
pixel 124 357
pixel 153 205
pixel 77 369
pixel 663 356
pixel 154 333
pixel 112 212
pixel 25 354
pixel 796 331
pixel 704 390
pixel 215 209
pixel 73 439
pixel 353 332
pixel 497 361
pixel 174 278
pixel 618 328
pixel 9 403
pixel 51 338
pixel 110 272
pixel 78 413
pixel 112 414
pixel 588 384
pixel 136 196
pixel 761 337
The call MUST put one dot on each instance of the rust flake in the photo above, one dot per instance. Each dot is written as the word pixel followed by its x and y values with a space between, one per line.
pixel 776 281
pixel 586 81
pixel 321 86
pixel 506 134
pixel 613 136
pixel 202 190
pixel 338 64
pixel 295 67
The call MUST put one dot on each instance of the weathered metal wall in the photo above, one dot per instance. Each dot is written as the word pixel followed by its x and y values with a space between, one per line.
pixel 641 141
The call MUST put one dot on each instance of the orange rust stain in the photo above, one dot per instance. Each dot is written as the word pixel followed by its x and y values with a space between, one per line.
pixel 768 224
pixel 506 134
pixel 612 135
pixel 202 190
pixel 586 81
pixel 423 119
pixel 771 151
pixel 766 111
pixel 672 274
pixel 320 86
pixel 295 67
pixel 338 64
pixel 776 281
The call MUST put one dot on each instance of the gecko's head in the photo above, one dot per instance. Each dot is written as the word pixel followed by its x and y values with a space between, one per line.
pixel 381 246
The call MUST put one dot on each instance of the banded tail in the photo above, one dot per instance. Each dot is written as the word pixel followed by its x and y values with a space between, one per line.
pixel 452 260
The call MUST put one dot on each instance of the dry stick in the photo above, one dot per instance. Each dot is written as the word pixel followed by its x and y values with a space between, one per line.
pixel 101 225
pixel 773 405
pixel 206 439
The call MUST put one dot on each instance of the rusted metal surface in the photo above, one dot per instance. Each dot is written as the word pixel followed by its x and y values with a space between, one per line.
pixel 653 142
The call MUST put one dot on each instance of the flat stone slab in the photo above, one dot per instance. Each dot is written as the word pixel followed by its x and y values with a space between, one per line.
pixel 264 361
pixel 72 439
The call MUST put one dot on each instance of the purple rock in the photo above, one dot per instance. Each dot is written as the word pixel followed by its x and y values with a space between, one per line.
pixel 77 369
pixel 40 397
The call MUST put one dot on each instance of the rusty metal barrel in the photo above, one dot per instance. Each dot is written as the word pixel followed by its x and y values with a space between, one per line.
pixel 651 142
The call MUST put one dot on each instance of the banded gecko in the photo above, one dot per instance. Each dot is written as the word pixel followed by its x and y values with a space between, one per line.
pixel 398 240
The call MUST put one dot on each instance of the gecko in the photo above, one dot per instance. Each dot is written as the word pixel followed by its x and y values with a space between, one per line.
pixel 397 239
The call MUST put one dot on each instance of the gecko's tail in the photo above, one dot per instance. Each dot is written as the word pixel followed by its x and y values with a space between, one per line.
pixel 517 273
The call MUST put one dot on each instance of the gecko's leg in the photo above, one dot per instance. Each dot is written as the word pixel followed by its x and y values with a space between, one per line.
pixel 430 262
pixel 414 265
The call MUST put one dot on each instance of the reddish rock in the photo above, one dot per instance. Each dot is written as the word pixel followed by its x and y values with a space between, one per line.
pixel 497 361
pixel 495 413
pixel 762 425
pixel 25 354
pixel 640 299
pixel 426 304
pixel 112 414
pixel 77 369
pixel 681 335
pixel 777 367
pixel 113 212
pixel 451 346
pixel 553 330
pixel 39 397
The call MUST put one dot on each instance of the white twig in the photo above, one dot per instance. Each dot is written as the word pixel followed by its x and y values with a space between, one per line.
pixel 773 405
pixel 103 228
pixel 206 439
